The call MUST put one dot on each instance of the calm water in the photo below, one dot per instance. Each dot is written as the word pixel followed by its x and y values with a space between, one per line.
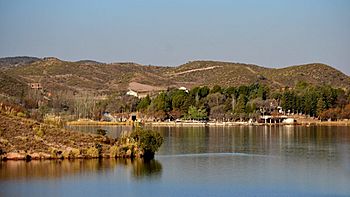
pixel 199 161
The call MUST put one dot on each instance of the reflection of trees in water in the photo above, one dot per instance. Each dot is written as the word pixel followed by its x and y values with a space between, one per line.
pixel 146 168
pixel 141 168
pixel 52 169
pixel 317 142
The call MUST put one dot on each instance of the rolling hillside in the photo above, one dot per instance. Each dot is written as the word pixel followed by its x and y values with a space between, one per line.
pixel 11 86
pixel 233 74
pixel 55 74
pixel 9 62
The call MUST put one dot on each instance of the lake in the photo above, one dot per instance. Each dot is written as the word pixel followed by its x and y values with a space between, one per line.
pixel 201 161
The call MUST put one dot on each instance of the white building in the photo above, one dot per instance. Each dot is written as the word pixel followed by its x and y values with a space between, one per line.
pixel 184 89
pixel 132 93
pixel 139 95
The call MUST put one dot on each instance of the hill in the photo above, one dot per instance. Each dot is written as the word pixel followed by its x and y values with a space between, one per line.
pixel 11 86
pixel 221 73
pixel 101 78
pixel 235 74
pixel 317 74
pixel 8 62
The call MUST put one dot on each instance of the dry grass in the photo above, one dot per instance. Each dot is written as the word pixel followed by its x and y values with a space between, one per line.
pixel 90 122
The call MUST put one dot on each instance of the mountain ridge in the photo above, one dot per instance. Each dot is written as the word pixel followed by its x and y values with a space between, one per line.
pixel 89 75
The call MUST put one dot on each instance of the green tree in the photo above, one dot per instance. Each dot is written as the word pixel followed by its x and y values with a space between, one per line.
pixel 216 89
pixel 288 101
pixel 161 103
pixel 215 99
pixel 178 100
pixel 197 114
pixel 231 92
pixel 243 90
pixel 148 140
pixel 143 104
pixel 320 106
pixel 194 92
pixel 203 91
pixel 311 99
pixel 300 104
pixel 240 106
pixel 262 92
pixel 217 112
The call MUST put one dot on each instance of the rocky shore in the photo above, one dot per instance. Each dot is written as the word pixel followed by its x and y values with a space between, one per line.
pixel 26 139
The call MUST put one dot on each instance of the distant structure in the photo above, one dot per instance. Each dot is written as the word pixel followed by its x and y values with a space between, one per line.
pixel 184 89
pixel 137 94
pixel 276 119
pixel 143 93
pixel 36 86
pixel 280 110
pixel 132 93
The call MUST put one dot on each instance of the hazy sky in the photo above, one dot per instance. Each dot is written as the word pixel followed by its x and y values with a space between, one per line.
pixel 271 33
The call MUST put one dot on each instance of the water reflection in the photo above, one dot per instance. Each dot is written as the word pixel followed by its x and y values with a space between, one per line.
pixel 202 161
pixel 52 169
pixel 287 141
pixel 147 169
pixel 318 142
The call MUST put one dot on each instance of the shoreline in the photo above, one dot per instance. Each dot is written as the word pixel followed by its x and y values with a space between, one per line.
pixel 228 124
pixel 211 124
pixel 93 122
pixel 41 156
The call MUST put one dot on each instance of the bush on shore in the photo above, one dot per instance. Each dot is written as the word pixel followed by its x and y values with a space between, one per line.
pixel 148 141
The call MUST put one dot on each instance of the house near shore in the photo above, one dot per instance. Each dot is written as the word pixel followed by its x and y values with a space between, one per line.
pixel 276 119
pixel 137 94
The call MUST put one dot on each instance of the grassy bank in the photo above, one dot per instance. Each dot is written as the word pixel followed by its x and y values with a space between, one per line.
pixel 26 139
pixel 91 122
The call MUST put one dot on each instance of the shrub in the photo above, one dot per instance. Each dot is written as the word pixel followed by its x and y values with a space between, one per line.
pixel 71 153
pixel 75 152
pixel 21 114
pixel 149 141
pixel 39 131
pixel 4 142
pixel 67 154
pixel 55 153
pixel 94 151
pixel 53 120
pixel 114 151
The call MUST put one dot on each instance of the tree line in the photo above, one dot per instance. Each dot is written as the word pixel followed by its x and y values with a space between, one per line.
pixel 247 102
pixel 202 103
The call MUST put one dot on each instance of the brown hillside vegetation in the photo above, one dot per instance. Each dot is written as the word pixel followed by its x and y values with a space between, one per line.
pixel 212 73
pixel 318 74
pixel 9 62
pixel 22 138
pixel 11 86
pixel 29 136
pixel 55 74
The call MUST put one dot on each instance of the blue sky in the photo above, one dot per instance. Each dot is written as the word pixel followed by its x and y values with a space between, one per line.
pixel 271 33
